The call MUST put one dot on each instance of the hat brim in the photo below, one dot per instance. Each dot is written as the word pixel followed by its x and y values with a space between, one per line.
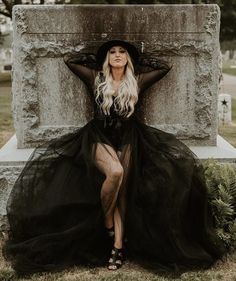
pixel 105 47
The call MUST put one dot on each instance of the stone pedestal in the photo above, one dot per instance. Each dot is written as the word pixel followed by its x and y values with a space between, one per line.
pixel 12 161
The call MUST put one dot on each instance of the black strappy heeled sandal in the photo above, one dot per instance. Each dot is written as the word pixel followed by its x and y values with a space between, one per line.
pixel 117 258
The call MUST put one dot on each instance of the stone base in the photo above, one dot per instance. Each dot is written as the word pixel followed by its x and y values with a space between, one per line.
pixel 12 161
pixel 223 152
pixel 10 155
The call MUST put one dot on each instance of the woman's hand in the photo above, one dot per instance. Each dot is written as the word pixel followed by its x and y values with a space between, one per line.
pixel 84 66
pixel 151 70
pixel 147 64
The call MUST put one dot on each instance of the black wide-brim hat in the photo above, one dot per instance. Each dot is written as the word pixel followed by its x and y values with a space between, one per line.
pixel 105 47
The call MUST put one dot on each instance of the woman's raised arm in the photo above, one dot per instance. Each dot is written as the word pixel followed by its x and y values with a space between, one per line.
pixel 81 65
pixel 150 71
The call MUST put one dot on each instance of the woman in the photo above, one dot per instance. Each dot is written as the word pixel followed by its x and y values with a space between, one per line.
pixel 115 180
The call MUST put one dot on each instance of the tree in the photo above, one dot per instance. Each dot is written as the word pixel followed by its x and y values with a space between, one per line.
pixel 228 20
pixel 7 5
pixel 6 8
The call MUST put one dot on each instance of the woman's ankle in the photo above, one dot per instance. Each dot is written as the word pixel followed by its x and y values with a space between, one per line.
pixel 109 224
pixel 109 227
pixel 118 245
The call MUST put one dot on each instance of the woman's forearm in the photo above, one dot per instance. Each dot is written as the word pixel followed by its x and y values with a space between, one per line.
pixel 152 70
pixel 81 65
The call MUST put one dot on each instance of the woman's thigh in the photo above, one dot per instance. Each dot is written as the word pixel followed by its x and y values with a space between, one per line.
pixel 124 156
pixel 106 159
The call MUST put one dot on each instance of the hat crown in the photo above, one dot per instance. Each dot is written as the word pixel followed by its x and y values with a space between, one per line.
pixel 105 47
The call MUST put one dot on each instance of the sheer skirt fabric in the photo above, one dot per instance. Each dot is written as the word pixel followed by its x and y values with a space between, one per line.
pixel 56 215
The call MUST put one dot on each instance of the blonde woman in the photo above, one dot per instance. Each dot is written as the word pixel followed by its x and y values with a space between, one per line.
pixel 116 187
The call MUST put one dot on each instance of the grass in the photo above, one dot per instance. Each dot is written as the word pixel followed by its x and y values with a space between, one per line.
pixel 230 71
pixel 6 120
pixel 227 69
pixel 222 271
pixel 5 77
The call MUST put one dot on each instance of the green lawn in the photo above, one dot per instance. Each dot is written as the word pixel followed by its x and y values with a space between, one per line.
pixel 227 69
pixel 5 77
pixel 231 71
pixel 6 120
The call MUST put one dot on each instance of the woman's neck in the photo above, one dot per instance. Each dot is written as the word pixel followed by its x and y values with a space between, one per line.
pixel 117 73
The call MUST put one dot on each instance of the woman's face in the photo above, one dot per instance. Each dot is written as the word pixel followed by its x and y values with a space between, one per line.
pixel 117 57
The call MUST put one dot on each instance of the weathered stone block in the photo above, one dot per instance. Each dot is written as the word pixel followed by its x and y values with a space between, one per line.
pixel 49 100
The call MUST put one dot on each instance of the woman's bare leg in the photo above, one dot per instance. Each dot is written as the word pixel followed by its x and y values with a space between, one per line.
pixel 120 208
pixel 108 163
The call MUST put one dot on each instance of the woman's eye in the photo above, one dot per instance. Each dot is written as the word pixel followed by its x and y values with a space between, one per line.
pixel 112 52
pixel 122 51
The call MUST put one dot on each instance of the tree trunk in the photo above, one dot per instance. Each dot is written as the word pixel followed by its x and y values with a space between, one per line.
pixel 8 6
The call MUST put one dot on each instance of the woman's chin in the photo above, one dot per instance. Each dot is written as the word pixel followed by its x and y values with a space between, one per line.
pixel 117 65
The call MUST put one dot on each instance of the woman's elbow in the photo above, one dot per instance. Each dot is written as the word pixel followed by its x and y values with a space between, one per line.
pixel 66 59
pixel 168 67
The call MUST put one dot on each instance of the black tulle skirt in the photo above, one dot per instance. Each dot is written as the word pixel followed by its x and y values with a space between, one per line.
pixel 55 213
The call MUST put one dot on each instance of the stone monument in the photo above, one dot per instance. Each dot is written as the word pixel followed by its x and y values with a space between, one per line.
pixel 47 96
pixel 49 100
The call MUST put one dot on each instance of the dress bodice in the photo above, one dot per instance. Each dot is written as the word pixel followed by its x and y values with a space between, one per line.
pixel 157 70
pixel 113 119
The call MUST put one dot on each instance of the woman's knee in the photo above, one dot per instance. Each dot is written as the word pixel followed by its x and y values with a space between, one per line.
pixel 116 173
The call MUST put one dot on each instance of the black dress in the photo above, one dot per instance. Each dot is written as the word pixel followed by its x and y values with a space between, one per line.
pixel 55 212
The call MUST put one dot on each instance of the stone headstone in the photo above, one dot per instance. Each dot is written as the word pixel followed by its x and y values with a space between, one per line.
pixel 226 55
pixel 49 100
pixel 224 109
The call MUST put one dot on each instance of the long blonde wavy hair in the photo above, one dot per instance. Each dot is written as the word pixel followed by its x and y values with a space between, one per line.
pixel 127 95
